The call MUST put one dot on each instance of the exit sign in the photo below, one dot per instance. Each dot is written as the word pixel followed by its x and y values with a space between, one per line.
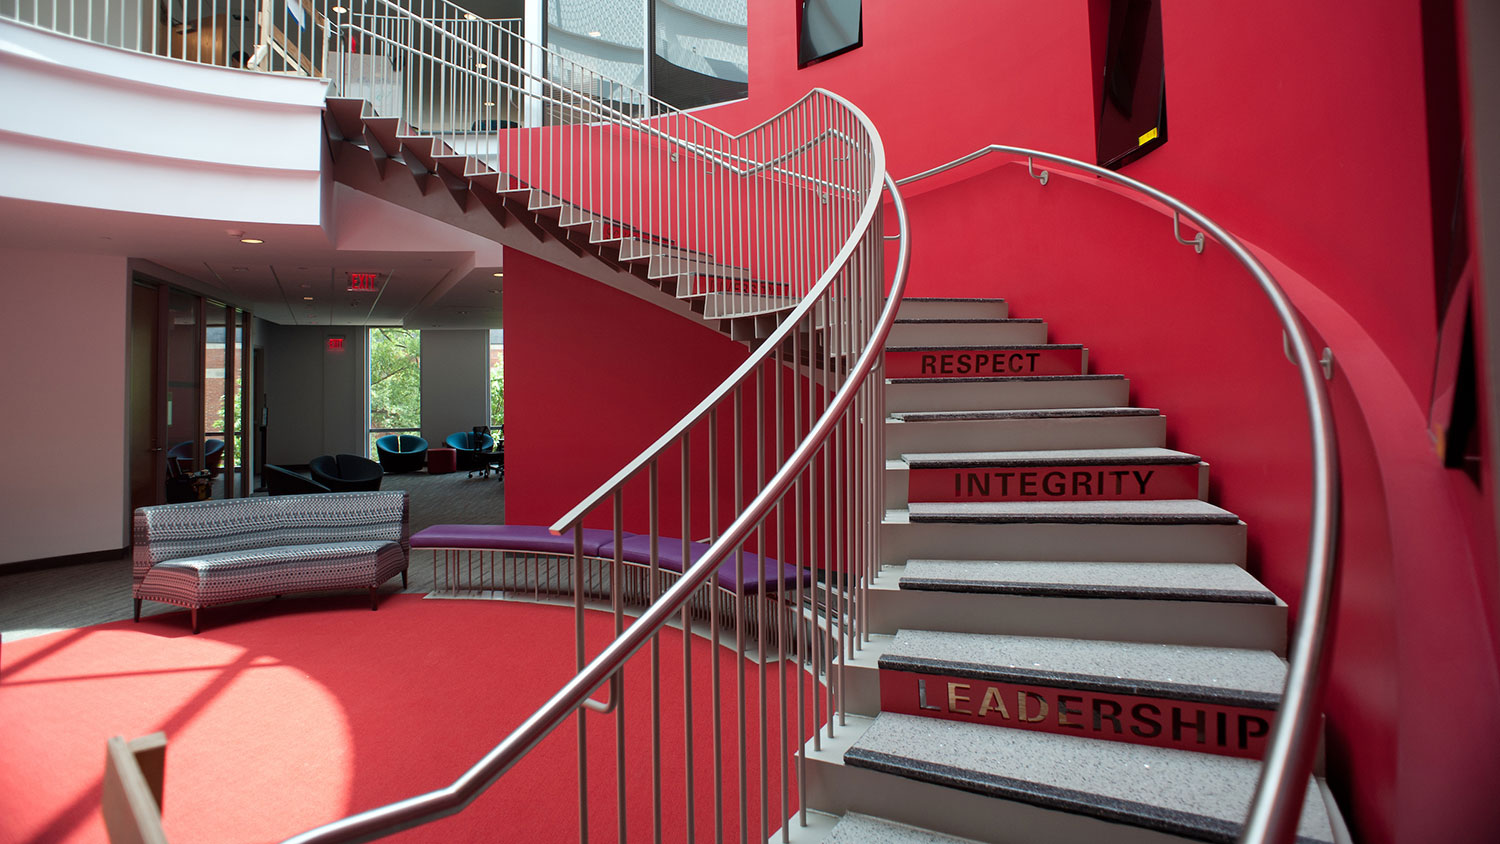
pixel 364 281
pixel 336 344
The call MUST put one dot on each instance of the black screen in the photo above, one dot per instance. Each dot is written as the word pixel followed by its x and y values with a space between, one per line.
pixel 1133 107
pixel 828 27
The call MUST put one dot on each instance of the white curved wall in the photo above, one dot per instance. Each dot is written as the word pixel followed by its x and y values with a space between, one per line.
pixel 101 127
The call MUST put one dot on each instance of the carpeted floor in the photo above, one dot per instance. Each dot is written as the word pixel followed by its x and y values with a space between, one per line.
pixel 292 713
pixel 38 602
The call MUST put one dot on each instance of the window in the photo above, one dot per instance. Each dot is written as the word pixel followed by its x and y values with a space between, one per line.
pixel 686 53
pixel 497 382
pixel 1132 95
pixel 395 367
pixel 828 28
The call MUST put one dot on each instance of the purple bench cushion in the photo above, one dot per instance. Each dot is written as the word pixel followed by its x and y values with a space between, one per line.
pixel 637 549
pixel 510 538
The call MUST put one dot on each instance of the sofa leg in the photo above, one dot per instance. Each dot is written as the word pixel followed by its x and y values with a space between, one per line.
pixel 137 610
pixel 403 578
pixel 194 613
pixel 374 598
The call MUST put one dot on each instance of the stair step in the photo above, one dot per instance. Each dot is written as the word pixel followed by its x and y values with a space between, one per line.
pixel 1220 582
pixel 1092 474
pixel 924 331
pixel 856 828
pixel 1014 359
pixel 1169 512
pixel 1210 700
pixel 1194 795
pixel 906 395
pixel 1207 604
pixel 1004 430
pixel 1089 531
pixel 930 307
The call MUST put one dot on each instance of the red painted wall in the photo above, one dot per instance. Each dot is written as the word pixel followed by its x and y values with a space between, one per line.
pixel 1303 129
pixel 1300 127
pixel 592 377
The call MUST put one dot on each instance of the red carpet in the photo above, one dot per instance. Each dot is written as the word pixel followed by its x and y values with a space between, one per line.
pixel 281 716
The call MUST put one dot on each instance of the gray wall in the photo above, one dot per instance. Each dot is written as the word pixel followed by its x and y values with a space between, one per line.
pixel 315 398
pixel 455 382
pixel 63 340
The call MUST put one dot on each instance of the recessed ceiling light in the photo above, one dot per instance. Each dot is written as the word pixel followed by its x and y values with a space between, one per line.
pixel 595 34
pixel 339 10
pixel 481 65
pixel 251 240
pixel 498 275
pixel 307 298
pixel 489 102
pixel 470 16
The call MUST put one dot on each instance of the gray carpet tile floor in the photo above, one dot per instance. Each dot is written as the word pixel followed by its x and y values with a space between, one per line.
pixel 33 603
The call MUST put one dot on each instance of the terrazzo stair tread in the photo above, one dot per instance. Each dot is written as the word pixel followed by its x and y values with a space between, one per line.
pixel 1171 511
pixel 856 828
pixel 1025 413
pixel 1051 457
pixel 1030 533
pixel 1037 599
pixel 1023 429
pixel 1027 392
pixel 1194 795
pixel 1222 676
pixel 1218 582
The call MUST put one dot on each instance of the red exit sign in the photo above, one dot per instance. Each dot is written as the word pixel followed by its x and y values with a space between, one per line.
pixel 364 281
pixel 335 344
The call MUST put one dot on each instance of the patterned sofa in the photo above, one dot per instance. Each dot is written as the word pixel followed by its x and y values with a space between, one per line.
pixel 202 553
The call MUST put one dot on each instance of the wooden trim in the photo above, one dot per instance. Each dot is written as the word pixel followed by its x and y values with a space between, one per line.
pixel 134 774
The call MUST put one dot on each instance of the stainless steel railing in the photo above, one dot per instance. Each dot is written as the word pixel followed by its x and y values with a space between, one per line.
pixel 1293 742
pixel 811 471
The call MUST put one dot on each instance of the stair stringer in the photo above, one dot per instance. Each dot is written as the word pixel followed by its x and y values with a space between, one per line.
pixel 357 168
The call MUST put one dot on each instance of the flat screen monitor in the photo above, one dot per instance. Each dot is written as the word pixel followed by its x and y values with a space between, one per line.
pixel 828 28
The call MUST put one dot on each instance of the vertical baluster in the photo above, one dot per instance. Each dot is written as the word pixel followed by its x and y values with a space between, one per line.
pixel 578 652
pixel 653 484
pixel 618 606
pixel 713 620
pixel 687 643
pixel 739 603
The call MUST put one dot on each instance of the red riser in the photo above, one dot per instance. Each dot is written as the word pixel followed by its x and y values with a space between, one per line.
pixel 1055 483
pixel 980 363
pixel 1157 722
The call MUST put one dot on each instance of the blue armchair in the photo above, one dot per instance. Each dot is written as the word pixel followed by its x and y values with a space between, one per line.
pixel 401 453
pixel 470 446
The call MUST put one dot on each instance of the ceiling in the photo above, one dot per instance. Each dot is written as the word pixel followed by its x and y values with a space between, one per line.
pixel 430 275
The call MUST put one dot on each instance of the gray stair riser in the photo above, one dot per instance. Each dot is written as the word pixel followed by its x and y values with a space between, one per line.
pixel 962 333
pixel 1024 434
pixel 1125 543
pixel 937 309
pixel 1015 394
pixel 1202 623
pixel 835 787
pixel 1154 482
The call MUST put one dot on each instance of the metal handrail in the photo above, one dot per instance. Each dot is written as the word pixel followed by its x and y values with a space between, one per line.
pixel 756 358
pixel 575 695
pixel 1279 793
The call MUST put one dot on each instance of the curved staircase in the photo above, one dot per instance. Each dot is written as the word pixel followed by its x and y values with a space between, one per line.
pixel 1064 644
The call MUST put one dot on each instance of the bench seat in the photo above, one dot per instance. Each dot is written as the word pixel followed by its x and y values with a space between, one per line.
pixel 634 549
pixel 201 553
